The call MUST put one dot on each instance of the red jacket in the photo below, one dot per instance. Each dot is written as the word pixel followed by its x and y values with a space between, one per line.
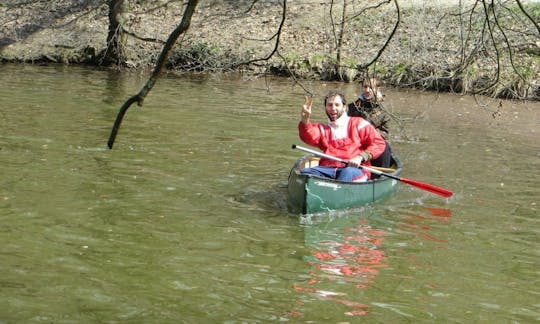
pixel 361 136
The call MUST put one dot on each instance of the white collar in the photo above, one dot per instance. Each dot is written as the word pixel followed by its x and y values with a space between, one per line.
pixel 340 126
pixel 342 121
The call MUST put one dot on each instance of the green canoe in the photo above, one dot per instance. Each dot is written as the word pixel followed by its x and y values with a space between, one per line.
pixel 309 194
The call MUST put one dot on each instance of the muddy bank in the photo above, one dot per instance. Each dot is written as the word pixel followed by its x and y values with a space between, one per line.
pixel 432 47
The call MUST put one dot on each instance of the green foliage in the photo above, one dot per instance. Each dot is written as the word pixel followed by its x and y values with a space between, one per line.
pixel 196 56
pixel 400 68
pixel 295 61
pixel 380 70
pixel 533 9
pixel 530 71
pixel 304 64
pixel 350 63
pixel 291 59
pixel 468 77
pixel 404 41
pixel 318 59
pixel 401 73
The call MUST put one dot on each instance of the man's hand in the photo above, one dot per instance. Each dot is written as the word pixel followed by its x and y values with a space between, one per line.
pixel 356 162
pixel 306 110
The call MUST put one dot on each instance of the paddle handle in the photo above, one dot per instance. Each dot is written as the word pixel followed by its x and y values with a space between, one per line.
pixel 308 150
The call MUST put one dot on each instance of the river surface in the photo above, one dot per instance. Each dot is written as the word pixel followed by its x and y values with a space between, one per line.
pixel 185 219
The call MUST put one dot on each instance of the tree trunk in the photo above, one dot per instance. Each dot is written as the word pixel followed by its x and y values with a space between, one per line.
pixel 116 38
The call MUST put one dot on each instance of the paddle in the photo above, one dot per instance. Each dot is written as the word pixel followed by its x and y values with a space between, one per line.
pixel 383 169
pixel 420 185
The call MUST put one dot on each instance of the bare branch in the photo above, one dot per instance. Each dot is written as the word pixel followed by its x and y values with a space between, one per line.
pixel 487 9
pixel 375 6
pixel 528 16
pixel 277 36
pixel 341 33
pixel 381 50
pixel 509 46
pixel 139 98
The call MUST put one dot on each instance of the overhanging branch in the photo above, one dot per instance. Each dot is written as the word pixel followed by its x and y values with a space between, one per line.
pixel 139 98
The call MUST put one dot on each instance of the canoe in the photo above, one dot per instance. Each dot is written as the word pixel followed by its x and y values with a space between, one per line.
pixel 308 194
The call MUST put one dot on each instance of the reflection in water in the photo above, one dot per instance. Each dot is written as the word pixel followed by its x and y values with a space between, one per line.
pixel 344 252
pixel 347 254
pixel 438 215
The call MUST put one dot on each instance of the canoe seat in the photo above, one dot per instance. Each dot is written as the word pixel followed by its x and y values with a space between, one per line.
pixel 310 162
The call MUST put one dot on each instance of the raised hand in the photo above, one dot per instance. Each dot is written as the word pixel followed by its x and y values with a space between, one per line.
pixel 306 109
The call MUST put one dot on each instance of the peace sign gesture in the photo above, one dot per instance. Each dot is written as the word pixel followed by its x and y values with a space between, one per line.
pixel 306 109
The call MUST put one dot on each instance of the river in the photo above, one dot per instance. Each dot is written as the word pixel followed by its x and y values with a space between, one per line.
pixel 185 219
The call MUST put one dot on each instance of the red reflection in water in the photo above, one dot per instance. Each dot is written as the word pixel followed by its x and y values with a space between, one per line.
pixel 441 212
pixel 439 215
pixel 352 256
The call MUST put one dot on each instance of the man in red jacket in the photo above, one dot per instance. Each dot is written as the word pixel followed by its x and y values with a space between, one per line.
pixel 350 138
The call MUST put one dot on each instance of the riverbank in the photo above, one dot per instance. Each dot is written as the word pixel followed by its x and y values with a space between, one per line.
pixel 432 48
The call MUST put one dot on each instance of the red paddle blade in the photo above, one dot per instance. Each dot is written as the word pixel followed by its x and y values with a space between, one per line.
pixel 428 187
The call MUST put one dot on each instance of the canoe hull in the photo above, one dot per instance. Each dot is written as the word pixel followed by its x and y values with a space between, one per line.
pixel 309 194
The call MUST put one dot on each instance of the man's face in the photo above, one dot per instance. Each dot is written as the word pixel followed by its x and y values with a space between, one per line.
pixel 369 89
pixel 334 107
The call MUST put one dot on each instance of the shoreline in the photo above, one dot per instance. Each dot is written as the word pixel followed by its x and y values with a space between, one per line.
pixel 424 53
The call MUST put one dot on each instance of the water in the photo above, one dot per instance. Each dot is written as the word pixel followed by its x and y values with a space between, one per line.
pixel 185 219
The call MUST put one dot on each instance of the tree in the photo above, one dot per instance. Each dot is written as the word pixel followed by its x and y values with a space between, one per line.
pixel 180 29
pixel 115 52
pixel 139 97
pixel 414 47
pixel 339 29
pixel 487 47
pixel 497 40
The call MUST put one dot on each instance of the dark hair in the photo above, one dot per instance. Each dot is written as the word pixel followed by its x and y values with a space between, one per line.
pixel 372 82
pixel 334 93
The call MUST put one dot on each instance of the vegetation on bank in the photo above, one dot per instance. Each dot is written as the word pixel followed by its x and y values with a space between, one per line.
pixel 484 47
